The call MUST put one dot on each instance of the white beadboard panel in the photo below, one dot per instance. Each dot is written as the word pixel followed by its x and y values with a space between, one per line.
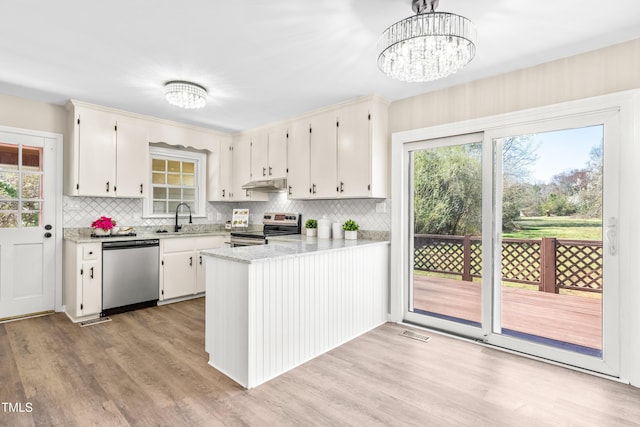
pixel 302 307
pixel 266 318
pixel 227 308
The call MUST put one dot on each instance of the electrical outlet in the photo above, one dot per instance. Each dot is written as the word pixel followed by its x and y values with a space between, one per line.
pixel 219 216
pixel 381 207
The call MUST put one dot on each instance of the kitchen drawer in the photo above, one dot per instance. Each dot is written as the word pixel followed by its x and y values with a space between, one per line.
pixel 91 251
pixel 209 242
pixel 181 244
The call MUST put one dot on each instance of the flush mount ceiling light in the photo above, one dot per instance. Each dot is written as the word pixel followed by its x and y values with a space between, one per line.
pixel 427 46
pixel 185 94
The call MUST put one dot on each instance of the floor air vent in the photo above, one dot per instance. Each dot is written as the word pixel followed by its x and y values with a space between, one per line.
pixel 416 336
pixel 94 321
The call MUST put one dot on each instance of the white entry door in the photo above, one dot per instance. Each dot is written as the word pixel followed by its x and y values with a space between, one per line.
pixel 27 224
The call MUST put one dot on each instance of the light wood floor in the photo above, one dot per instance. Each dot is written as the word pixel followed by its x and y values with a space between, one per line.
pixel 149 367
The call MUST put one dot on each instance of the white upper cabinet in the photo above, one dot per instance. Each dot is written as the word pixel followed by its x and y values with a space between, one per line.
pixel 106 156
pixel 277 165
pixel 259 156
pixel 323 167
pixel 94 141
pixel 132 152
pixel 340 152
pixel 241 160
pixel 241 167
pixel 354 151
pixel 269 154
pixel 298 160
pixel 219 171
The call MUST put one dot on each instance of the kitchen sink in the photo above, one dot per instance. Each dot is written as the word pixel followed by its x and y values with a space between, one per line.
pixel 179 232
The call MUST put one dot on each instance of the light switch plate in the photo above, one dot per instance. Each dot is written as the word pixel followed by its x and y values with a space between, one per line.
pixel 381 207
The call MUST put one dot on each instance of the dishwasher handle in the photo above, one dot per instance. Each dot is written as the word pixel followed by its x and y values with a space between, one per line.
pixel 130 244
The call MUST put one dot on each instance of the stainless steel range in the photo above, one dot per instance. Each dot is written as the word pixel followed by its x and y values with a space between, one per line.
pixel 274 224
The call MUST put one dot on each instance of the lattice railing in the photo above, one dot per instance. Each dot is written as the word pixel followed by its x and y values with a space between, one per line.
pixel 521 261
pixel 579 265
pixel 549 263
pixel 439 254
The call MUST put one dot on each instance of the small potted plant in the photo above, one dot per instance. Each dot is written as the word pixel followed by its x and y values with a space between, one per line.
pixel 312 227
pixel 103 226
pixel 350 228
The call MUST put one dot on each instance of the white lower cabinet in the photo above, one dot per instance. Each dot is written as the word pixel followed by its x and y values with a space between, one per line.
pixel 83 280
pixel 181 268
pixel 178 274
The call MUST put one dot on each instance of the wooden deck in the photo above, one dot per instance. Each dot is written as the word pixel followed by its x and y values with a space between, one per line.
pixel 566 318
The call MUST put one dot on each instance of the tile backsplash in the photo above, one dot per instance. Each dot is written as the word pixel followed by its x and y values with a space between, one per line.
pixel 81 211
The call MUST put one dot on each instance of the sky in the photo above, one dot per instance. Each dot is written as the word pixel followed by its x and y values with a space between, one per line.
pixel 563 151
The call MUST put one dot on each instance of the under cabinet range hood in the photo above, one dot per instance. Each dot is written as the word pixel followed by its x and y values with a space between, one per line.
pixel 267 185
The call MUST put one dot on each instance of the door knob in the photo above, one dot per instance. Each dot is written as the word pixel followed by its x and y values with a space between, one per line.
pixel 47 234
pixel 48 227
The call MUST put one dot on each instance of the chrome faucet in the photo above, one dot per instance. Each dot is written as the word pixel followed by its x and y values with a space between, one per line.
pixel 178 227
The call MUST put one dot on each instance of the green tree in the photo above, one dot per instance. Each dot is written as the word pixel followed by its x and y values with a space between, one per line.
pixel 591 196
pixel 448 190
pixel 558 204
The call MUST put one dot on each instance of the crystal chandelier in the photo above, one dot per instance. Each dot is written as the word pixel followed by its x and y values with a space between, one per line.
pixel 427 46
pixel 185 94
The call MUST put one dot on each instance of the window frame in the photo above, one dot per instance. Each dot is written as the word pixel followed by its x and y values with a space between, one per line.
pixel 199 160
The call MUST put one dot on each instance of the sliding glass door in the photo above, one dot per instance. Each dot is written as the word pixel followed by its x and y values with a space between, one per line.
pixel 446 233
pixel 513 238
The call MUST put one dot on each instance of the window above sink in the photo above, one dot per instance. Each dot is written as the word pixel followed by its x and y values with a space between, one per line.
pixel 177 176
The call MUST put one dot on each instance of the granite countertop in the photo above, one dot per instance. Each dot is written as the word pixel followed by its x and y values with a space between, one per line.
pixel 286 246
pixel 84 235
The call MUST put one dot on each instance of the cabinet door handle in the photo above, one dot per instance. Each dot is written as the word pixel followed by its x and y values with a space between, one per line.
pixel 264 171
pixel 270 171
pixel 246 193
pixel 190 261
pixel 141 189
pixel 107 186
pixel 314 189
pixel 223 192
pixel 289 190
pixel 91 275
pixel 341 187
pixel 200 259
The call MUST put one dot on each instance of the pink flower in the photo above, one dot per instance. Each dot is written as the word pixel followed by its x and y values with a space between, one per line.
pixel 104 222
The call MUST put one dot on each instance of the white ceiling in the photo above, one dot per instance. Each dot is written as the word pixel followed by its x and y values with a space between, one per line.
pixel 267 60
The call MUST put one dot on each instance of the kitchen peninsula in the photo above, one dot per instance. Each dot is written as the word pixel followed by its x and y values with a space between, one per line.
pixel 271 308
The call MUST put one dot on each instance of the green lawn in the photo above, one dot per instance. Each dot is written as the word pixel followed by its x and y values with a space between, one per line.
pixel 562 227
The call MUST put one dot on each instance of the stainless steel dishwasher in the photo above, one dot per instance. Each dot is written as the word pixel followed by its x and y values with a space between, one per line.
pixel 130 275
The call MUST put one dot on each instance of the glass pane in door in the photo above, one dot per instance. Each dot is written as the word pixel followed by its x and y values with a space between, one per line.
pixel 20 186
pixel 551 240
pixel 447 218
